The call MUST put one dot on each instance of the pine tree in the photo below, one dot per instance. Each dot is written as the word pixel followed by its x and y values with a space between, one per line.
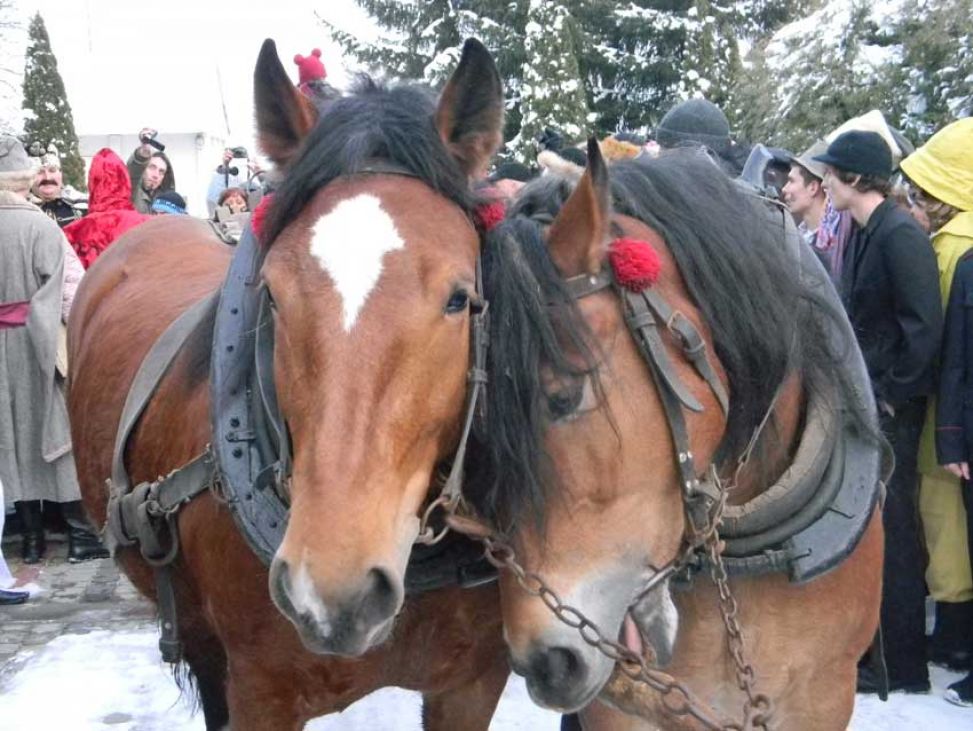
pixel 641 57
pixel 813 75
pixel 552 94
pixel 913 62
pixel 636 58
pixel 48 118
pixel 421 40
pixel 933 83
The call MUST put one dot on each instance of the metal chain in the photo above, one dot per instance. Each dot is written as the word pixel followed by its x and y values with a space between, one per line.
pixel 758 708
pixel 676 698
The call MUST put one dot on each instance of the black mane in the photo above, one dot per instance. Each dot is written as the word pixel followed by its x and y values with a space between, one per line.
pixel 372 123
pixel 764 319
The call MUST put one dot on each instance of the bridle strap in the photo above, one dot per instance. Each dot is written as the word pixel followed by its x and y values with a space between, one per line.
pixel 476 377
pixel 645 312
pixel 652 312
pixel 583 285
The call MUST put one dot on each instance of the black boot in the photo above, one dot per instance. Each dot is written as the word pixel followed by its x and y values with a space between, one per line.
pixel 9 597
pixel 32 527
pixel 949 644
pixel 83 544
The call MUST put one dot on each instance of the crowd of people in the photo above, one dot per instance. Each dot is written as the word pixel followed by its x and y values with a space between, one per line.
pixel 893 226
pixel 49 236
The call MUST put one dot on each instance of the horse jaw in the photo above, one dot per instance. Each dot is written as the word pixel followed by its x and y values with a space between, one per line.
pixel 656 622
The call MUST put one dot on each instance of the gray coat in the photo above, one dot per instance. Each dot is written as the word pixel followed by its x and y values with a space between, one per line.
pixel 35 439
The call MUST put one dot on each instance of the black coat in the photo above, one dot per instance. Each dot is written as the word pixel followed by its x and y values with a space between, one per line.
pixel 890 287
pixel 954 407
pixel 60 211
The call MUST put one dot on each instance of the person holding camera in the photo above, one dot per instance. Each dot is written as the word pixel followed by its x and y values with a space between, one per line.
pixel 233 172
pixel 149 170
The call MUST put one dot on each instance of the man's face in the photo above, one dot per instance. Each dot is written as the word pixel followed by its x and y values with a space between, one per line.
pixel 842 194
pixel 48 183
pixel 155 171
pixel 798 194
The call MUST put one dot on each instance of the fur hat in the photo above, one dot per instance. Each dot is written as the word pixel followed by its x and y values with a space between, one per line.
pixel 695 121
pixel 310 68
pixel 569 162
pixel 613 149
pixel 16 169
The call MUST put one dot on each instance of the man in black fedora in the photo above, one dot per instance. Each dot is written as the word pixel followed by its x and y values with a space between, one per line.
pixel 890 287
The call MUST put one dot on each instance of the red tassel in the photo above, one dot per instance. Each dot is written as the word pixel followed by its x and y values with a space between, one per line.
pixel 259 214
pixel 636 264
pixel 489 215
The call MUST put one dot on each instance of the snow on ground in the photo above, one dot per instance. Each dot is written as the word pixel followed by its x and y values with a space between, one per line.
pixel 115 680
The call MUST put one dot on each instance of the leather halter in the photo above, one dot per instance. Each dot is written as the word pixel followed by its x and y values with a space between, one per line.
pixel 645 313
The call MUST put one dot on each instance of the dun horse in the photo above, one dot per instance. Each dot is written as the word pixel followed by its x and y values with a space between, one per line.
pixel 370 267
pixel 590 478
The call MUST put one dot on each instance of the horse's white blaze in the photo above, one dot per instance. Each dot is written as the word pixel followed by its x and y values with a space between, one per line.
pixel 350 243
pixel 305 599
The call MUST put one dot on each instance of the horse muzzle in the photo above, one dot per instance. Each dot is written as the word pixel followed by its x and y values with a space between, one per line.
pixel 349 624
pixel 563 677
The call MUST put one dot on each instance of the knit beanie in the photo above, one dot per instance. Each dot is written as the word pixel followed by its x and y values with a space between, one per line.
pixel 169 202
pixel 695 121
pixel 16 169
pixel 310 67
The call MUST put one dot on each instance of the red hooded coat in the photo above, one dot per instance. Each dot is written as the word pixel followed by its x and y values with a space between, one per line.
pixel 110 209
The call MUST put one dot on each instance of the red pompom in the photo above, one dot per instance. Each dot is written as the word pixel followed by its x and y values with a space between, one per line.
pixel 489 215
pixel 636 263
pixel 259 213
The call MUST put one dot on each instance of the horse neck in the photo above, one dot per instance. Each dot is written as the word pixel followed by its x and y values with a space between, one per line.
pixel 775 447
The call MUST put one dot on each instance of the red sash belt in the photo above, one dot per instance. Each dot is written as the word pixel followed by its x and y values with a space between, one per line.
pixel 13 314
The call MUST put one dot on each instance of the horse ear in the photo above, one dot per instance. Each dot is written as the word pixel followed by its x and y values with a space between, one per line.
pixel 284 115
pixel 470 113
pixel 577 237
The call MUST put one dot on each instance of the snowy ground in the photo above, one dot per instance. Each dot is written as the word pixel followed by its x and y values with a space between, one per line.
pixel 114 680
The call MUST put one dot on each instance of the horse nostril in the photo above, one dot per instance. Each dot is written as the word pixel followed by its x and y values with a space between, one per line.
pixel 558 668
pixel 380 596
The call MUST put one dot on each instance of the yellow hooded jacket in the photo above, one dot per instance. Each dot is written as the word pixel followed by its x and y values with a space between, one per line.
pixel 943 167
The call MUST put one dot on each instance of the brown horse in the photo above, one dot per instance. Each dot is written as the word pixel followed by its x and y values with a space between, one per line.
pixel 583 472
pixel 371 266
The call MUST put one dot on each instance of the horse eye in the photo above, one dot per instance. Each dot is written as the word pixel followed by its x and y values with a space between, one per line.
pixel 571 400
pixel 565 402
pixel 458 302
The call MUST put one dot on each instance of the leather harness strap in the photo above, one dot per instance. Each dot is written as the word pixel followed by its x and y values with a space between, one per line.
pixel 147 515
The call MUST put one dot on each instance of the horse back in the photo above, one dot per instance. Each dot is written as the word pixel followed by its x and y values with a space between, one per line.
pixel 125 301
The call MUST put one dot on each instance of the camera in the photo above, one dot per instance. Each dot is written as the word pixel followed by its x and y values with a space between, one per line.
pixel 238 163
pixel 149 138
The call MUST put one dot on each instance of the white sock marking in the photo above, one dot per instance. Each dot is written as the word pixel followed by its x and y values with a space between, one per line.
pixel 350 243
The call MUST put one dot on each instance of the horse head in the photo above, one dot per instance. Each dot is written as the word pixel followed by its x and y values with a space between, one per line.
pixel 584 475
pixel 370 268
